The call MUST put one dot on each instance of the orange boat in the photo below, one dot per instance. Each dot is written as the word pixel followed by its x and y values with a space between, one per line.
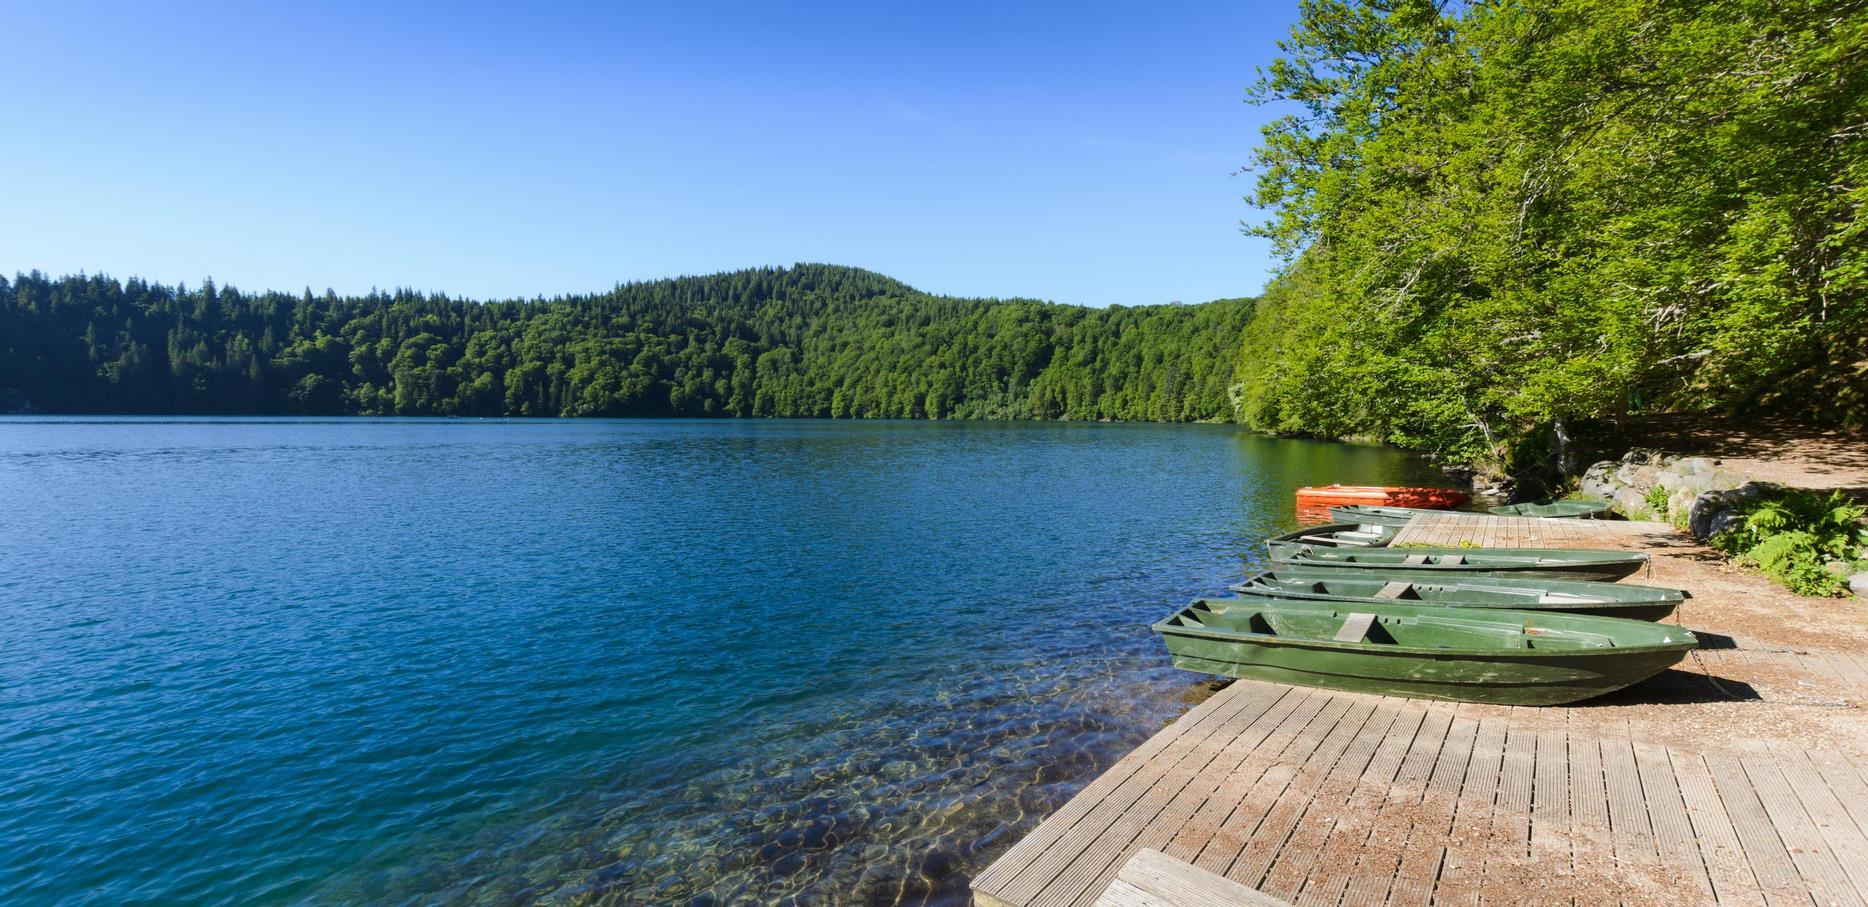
pixel 1381 496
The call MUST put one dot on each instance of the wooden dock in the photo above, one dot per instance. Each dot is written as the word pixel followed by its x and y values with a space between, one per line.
pixel 1318 797
pixel 1488 531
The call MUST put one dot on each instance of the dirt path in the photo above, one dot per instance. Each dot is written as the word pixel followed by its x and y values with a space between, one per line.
pixel 1770 450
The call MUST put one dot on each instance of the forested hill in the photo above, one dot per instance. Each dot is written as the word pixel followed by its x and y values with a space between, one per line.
pixel 1506 217
pixel 810 340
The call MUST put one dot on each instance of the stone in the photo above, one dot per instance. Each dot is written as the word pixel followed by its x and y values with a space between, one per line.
pixel 1699 482
pixel 1680 504
pixel 1859 584
pixel 1641 456
pixel 1631 503
pixel 1598 480
pixel 1707 507
pixel 1686 466
pixel 1721 521
pixel 1642 477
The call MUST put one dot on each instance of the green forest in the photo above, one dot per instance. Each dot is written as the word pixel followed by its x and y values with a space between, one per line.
pixel 810 340
pixel 1502 219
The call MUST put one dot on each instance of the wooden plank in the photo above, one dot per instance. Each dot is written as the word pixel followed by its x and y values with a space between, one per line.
pixel 1847 782
pixel 1550 807
pixel 1202 719
pixel 1337 855
pixel 1108 843
pixel 1627 802
pixel 1818 866
pixel 1342 754
pixel 1151 878
pixel 1291 864
pixel 1035 861
pixel 1763 850
pixel 1193 836
pixel 1356 627
pixel 1830 814
pixel 1278 766
pixel 1733 879
pixel 1593 847
pixel 1509 844
pixel 1426 845
pixel 1460 869
pixel 1667 817
pixel 1376 865
pixel 1141 829
pixel 1175 818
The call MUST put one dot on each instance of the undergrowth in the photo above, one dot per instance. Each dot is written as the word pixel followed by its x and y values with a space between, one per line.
pixel 1803 540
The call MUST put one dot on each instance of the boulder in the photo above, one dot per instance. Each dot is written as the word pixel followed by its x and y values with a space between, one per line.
pixel 1631 503
pixel 1641 456
pixel 1859 584
pixel 1721 521
pixel 1598 480
pixel 1638 476
pixel 1707 509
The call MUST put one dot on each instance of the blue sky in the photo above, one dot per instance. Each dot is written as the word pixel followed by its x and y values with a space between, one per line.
pixel 1080 152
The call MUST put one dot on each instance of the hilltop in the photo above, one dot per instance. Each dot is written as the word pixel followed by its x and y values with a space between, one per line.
pixel 811 340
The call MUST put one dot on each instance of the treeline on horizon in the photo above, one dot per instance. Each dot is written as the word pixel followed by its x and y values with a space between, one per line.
pixel 804 341
pixel 1504 218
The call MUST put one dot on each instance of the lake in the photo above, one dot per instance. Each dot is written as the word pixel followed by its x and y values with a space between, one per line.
pixel 632 661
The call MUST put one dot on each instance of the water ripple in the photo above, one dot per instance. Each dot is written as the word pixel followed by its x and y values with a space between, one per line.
pixel 407 661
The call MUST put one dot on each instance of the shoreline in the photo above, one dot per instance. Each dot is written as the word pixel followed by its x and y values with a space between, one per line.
pixel 1773 697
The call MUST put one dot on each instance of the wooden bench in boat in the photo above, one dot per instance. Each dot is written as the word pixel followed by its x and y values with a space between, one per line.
pixel 1356 628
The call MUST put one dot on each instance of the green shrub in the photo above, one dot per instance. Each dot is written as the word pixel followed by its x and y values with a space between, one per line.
pixel 1794 537
pixel 1657 502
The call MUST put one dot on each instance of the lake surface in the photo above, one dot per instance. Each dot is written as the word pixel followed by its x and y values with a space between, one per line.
pixel 616 661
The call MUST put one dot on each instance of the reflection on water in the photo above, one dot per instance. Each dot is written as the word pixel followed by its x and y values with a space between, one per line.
pixel 628 662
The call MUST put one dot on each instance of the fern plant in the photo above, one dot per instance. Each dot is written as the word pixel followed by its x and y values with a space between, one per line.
pixel 1793 538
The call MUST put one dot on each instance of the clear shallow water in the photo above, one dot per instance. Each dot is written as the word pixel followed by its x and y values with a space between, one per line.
pixel 590 661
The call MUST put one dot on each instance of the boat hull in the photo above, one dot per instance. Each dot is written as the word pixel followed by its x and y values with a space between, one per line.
pixel 1625 600
pixel 1392 496
pixel 1340 535
pixel 1371 515
pixel 1553 563
pixel 1526 676
pixel 1561 510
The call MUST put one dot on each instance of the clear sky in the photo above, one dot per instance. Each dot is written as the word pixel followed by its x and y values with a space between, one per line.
pixel 1081 152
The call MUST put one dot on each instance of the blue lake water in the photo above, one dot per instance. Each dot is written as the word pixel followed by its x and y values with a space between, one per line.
pixel 616 661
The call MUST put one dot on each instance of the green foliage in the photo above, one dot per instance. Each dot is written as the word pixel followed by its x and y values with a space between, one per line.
pixel 1656 499
pixel 1793 538
pixel 811 340
pixel 1503 216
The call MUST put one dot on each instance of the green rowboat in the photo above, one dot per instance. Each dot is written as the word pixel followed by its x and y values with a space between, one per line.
pixel 1371 515
pixel 1554 563
pixel 1375 588
pixel 1500 656
pixel 1341 535
pixel 1572 509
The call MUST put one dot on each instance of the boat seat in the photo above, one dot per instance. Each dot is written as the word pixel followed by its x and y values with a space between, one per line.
pixel 1356 628
pixel 1452 560
pixel 1414 559
pixel 1393 590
